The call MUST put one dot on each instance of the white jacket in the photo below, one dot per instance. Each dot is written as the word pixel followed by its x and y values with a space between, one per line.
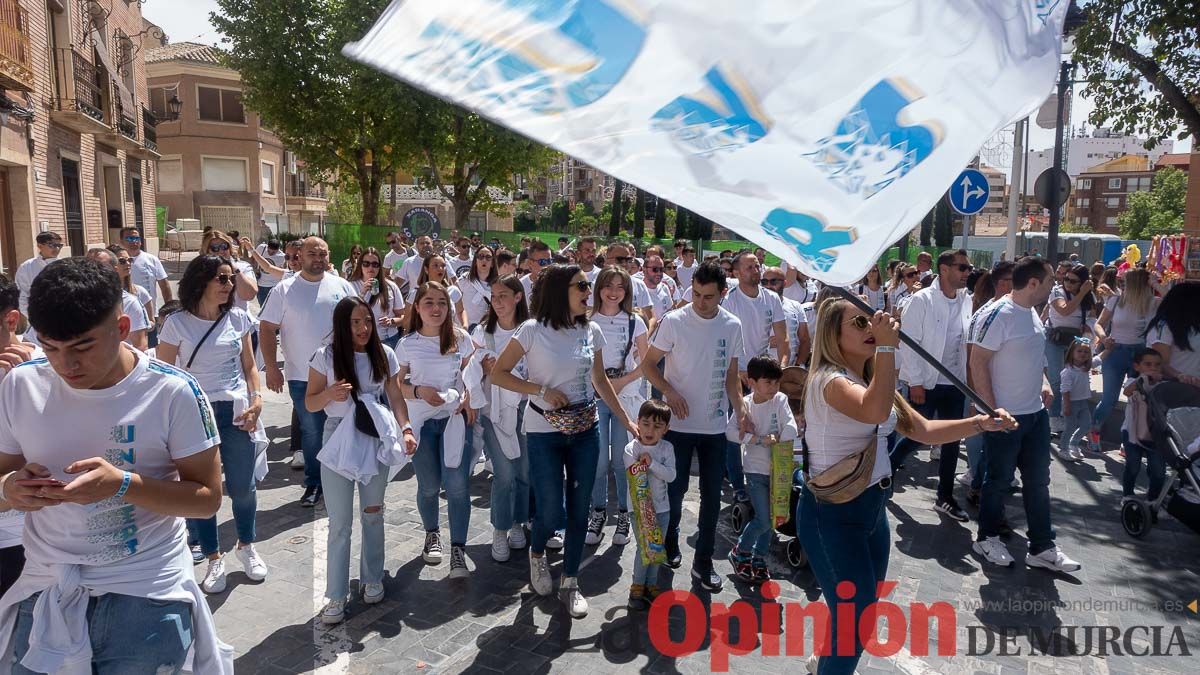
pixel 926 320
pixel 358 457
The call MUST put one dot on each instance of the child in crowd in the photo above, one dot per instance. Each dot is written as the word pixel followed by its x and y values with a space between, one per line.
pixel 1148 364
pixel 773 423
pixel 650 453
pixel 1076 387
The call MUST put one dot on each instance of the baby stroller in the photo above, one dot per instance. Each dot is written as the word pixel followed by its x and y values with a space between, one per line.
pixel 1173 416
pixel 792 384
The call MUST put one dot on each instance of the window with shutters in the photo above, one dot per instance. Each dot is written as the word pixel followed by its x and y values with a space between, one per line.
pixel 224 174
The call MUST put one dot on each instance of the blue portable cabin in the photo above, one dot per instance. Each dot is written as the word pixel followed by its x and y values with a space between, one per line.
pixel 1090 247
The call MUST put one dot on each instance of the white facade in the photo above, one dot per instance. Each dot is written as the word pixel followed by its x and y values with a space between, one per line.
pixel 1086 152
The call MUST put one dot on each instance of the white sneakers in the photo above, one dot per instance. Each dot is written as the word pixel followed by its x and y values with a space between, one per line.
pixel 334 612
pixel 298 462
pixel 539 575
pixel 965 478
pixel 372 593
pixel 935 453
pixel 1052 559
pixel 500 547
pixel 432 553
pixel 555 542
pixel 214 577
pixel 572 597
pixel 255 568
pixel 994 551
pixel 516 538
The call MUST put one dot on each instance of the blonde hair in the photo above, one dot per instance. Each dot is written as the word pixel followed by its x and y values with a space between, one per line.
pixel 827 356
pixel 1137 295
pixel 234 250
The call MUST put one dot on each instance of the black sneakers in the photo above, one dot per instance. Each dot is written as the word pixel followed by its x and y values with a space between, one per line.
pixel 312 496
pixel 708 579
pixel 950 508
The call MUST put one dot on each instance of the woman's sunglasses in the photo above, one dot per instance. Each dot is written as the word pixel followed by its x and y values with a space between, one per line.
pixel 124 262
pixel 483 257
pixel 221 247
pixel 910 275
pixel 583 285
pixel 859 321
pixel 371 263
pixel 225 279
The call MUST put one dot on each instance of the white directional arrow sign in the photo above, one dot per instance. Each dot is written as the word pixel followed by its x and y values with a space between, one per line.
pixel 969 192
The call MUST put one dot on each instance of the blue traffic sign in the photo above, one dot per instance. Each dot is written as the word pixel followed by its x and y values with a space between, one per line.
pixel 969 193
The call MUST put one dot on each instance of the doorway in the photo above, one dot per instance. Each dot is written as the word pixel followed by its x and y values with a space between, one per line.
pixel 73 206
pixel 8 242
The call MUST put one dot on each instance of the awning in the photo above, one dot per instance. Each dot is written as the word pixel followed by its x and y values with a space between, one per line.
pixel 102 53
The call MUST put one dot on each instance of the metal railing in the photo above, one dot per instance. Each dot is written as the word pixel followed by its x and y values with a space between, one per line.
pixel 14 41
pixel 77 88
pixel 149 130
pixel 123 120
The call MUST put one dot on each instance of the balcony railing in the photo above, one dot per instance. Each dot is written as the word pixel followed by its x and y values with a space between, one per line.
pixel 149 130
pixel 16 69
pixel 123 120
pixel 77 84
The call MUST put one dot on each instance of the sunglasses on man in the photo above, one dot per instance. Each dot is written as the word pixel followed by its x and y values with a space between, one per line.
pixel 132 240
pixel 54 245
pixel 543 262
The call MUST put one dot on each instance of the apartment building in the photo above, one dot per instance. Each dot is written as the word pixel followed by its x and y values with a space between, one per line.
pixel 1102 192
pixel 77 142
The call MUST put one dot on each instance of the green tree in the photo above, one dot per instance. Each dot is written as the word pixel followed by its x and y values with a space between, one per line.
pixel 1159 211
pixel 639 215
pixel 1072 227
pixel 1142 65
pixel 583 219
pixel 943 225
pixel 346 206
pixel 559 215
pixel 660 218
pixel 616 215
pixel 683 225
pixel 524 219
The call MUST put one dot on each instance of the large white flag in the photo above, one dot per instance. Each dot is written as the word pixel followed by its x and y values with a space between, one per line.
pixel 822 130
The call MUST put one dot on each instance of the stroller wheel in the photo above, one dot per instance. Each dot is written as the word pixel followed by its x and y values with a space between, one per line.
pixel 741 514
pixel 795 554
pixel 1135 518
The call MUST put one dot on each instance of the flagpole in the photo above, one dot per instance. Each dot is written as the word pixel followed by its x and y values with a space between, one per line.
pixel 920 351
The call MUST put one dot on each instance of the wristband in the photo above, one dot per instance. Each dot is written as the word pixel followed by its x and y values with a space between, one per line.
pixel 3 480
pixel 124 485
pixel 409 428
pixel 254 395
pixel 542 392
pixel 885 349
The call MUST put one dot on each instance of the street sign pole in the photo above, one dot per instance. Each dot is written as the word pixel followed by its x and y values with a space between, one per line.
pixel 1064 82
pixel 967 220
pixel 968 195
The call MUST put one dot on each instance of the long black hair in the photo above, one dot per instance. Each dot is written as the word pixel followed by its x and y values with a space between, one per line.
pixel 1089 301
pixel 521 311
pixel 1178 311
pixel 552 298
pixel 199 272
pixel 343 344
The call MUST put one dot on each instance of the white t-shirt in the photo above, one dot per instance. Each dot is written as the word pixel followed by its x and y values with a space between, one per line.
pixel 303 310
pixel 476 294
pixel 410 270
pixel 395 299
pixel 758 316
pixel 662 298
pixel 322 362
pixel 459 265
pixel 684 273
pixel 699 352
pixel 616 334
pixel 527 283
pixel 1183 360
pixel 641 294
pixel 428 366
pixel 26 273
pixel 559 359
pixel 392 262
pixel 802 291
pixel 147 270
pixel 1076 383
pixel 953 354
pixel 1017 337
pixel 793 314
pixel 500 339
pixel 278 259
pixel 1127 326
pixel 897 296
pixel 1074 320
pixel 11 521
pixel 241 267
pixel 157 414
pixel 218 365
pixel 661 468
pixel 832 436
pixel 773 416
pixel 877 298
pixel 135 309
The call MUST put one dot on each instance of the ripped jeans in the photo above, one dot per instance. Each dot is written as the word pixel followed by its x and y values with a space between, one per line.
pixel 339 504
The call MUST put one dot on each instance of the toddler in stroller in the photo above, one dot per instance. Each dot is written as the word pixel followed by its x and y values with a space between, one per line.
pixel 1172 418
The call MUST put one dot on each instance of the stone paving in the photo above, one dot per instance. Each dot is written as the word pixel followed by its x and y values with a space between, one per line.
pixel 492 622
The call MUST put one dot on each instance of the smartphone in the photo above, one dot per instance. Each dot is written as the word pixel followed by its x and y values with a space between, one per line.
pixel 40 482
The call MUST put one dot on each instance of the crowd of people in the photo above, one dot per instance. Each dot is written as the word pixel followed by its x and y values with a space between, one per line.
pixel 569 370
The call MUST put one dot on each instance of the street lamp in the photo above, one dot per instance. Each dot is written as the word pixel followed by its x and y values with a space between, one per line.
pixel 1074 20
pixel 175 106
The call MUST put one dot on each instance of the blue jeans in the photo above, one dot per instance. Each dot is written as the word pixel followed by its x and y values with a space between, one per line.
pixel 710 449
pixel 433 476
pixel 339 503
pixel 262 295
pixel 393 341
pixel 758 533
pixel 1156 468
pixel 1116 366
pixel 644 574
pixel 613 438
pixel 237 462
pixel 846 542
pixel 550 454
pixel 1076 425
pixel 942 402
pixel 1028 448
pixel 128 634
pixel 510 477
pixel 1055 360
pixel 312 426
